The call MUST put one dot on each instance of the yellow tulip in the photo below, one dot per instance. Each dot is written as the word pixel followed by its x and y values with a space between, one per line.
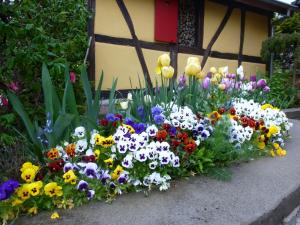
pixel 214 80
pixel 218 76
pixel 222 87
pixel 213 70
pixel 201 75
pixel 194 60
pixel 163 60
pixel 192 69
pixel 167 72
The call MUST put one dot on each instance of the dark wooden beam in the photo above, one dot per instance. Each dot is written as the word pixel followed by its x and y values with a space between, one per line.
pixel 242 34
pixel 91 53
pixel 136 42
pixel 216 35
pixel 159 46
pixel 174 56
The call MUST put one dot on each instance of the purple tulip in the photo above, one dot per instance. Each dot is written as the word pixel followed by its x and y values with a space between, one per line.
pixel 206 83
pixel 209 75
pixel 261 83
pixel 266 89
pixel 253 78
pixel 182 80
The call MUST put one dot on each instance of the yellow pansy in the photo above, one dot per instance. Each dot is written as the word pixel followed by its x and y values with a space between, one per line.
pixel 281 152
pixel 16 202
pixel 115 175
pixel 52 189
pixel 107 142
pixel 34 188
pixel 266 106
pixel 28 165
pixel 98 139
pixel 167 72
pixel 130 128
pixel 54 216
pixel 109 162
pixel 23 192
pixel 276 146
pixel 28 174
pixel 272 153
pixel 97 153
pixel 261 145
pixel 163 60
pixel 32 210
pixel 70 177
pixel 273 130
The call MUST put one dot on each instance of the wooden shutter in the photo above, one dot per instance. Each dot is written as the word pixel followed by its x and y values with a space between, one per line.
pixel 166 20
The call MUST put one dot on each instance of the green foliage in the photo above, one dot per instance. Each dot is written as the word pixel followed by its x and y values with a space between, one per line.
pixel 287 25
pixel 282 94
pixel 66 118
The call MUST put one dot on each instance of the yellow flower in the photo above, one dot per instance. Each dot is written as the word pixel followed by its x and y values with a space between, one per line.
pixel 54 216
pixel 273 130
pixel 107 142
pixel 272 153
pixel 109 162
pixel 115 175
pixel 281 152
pixel 201 75
pixel 130 128
pixel 214 116
pixel 223 70
pixel 34 188
pixel 28 165
pixel 28 174
pixel 262 138
pixel 70 177
pixel 23 192
pixel 163 60
pixel 16 202
pixel 213 70
pixel 32 210
pixel 214 80
pixel 276 146
pixel 97 153
pixel 193 67
pixel 52 189
pixel 266 106
pixel 217 76
pixel 261 145
pixel 98 139
pixel 167 72
pixel 222 87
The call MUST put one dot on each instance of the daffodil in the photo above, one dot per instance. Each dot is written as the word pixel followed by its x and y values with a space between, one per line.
pixel 34 188
pixel 70 177
pixel 54 216
pixel 163 60
pixel 52 189
pixel 23 192
pixel 167 72
pixel 115 175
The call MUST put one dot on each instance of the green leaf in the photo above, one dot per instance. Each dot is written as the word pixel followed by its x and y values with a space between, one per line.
pixel 87 89
pixel 63 121
pixel 48 90
pixel 111 103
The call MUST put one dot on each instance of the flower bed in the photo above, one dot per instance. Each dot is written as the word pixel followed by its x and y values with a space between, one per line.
pixel 151 138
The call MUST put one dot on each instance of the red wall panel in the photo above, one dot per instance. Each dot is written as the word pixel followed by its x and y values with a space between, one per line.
pixel 166 20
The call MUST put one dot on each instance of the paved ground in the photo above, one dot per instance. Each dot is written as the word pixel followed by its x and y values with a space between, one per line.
pixel 261 192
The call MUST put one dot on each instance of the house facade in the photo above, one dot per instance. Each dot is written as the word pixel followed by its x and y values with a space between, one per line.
pixel 129 35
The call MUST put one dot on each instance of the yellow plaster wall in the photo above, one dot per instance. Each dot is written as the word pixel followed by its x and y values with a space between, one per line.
pixel 142 15
pixel 109 20
pixel 253 68
pixel 229 39
pixel 256 31
pixel 213 15
pixel 117 61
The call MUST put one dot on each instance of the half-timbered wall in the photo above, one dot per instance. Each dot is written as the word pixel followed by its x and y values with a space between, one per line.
pixel 125 45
